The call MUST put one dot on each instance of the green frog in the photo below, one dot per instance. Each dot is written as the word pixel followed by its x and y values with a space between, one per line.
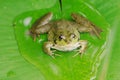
pixel 63 35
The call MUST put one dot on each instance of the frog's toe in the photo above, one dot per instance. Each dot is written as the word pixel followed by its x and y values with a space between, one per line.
pixel 53 50
pixel 79 52
pixel 38 35
pixel 76 54
pixel 53 55
pixel 57 55
pixel 34 39
pixel 82 51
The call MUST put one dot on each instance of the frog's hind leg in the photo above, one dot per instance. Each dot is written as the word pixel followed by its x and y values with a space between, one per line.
pixel 85 25
pixel 43 20
pixel 41 26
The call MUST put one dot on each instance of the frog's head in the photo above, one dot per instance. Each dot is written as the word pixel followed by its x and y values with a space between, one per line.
pixel 65 37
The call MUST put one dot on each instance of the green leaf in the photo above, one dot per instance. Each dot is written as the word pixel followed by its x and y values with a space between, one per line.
pixel 65 67
pixel 23 59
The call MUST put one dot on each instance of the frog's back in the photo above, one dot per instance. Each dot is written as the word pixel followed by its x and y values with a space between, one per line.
pixel 61 27
pixel 64 24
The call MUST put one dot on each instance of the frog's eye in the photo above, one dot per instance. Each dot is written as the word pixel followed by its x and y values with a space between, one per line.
pixel 61 37
pixel 72 35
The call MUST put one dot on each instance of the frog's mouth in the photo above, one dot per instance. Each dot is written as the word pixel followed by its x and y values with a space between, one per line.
pixel 68 47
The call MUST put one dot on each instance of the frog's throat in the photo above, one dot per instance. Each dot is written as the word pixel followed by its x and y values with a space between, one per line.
pixel 68 47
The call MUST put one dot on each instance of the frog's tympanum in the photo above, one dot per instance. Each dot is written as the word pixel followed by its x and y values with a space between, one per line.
pixel 63 35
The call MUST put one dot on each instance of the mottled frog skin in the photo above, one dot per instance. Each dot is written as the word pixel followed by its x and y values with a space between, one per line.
pixel 63 35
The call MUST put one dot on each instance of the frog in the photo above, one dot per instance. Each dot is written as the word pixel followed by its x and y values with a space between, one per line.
pixel 63 35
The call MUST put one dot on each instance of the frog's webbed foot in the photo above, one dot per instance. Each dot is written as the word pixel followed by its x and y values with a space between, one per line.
pixel 82 48
pixel 47 49
pixel 41 26
pixel 84 25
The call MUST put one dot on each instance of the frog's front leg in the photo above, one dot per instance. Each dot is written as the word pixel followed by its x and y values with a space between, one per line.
pixel 47 49
pixel 82 47
pixel 40 30
pixel 41 26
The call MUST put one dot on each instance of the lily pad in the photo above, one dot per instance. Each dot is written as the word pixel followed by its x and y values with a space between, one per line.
pixel 65 67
